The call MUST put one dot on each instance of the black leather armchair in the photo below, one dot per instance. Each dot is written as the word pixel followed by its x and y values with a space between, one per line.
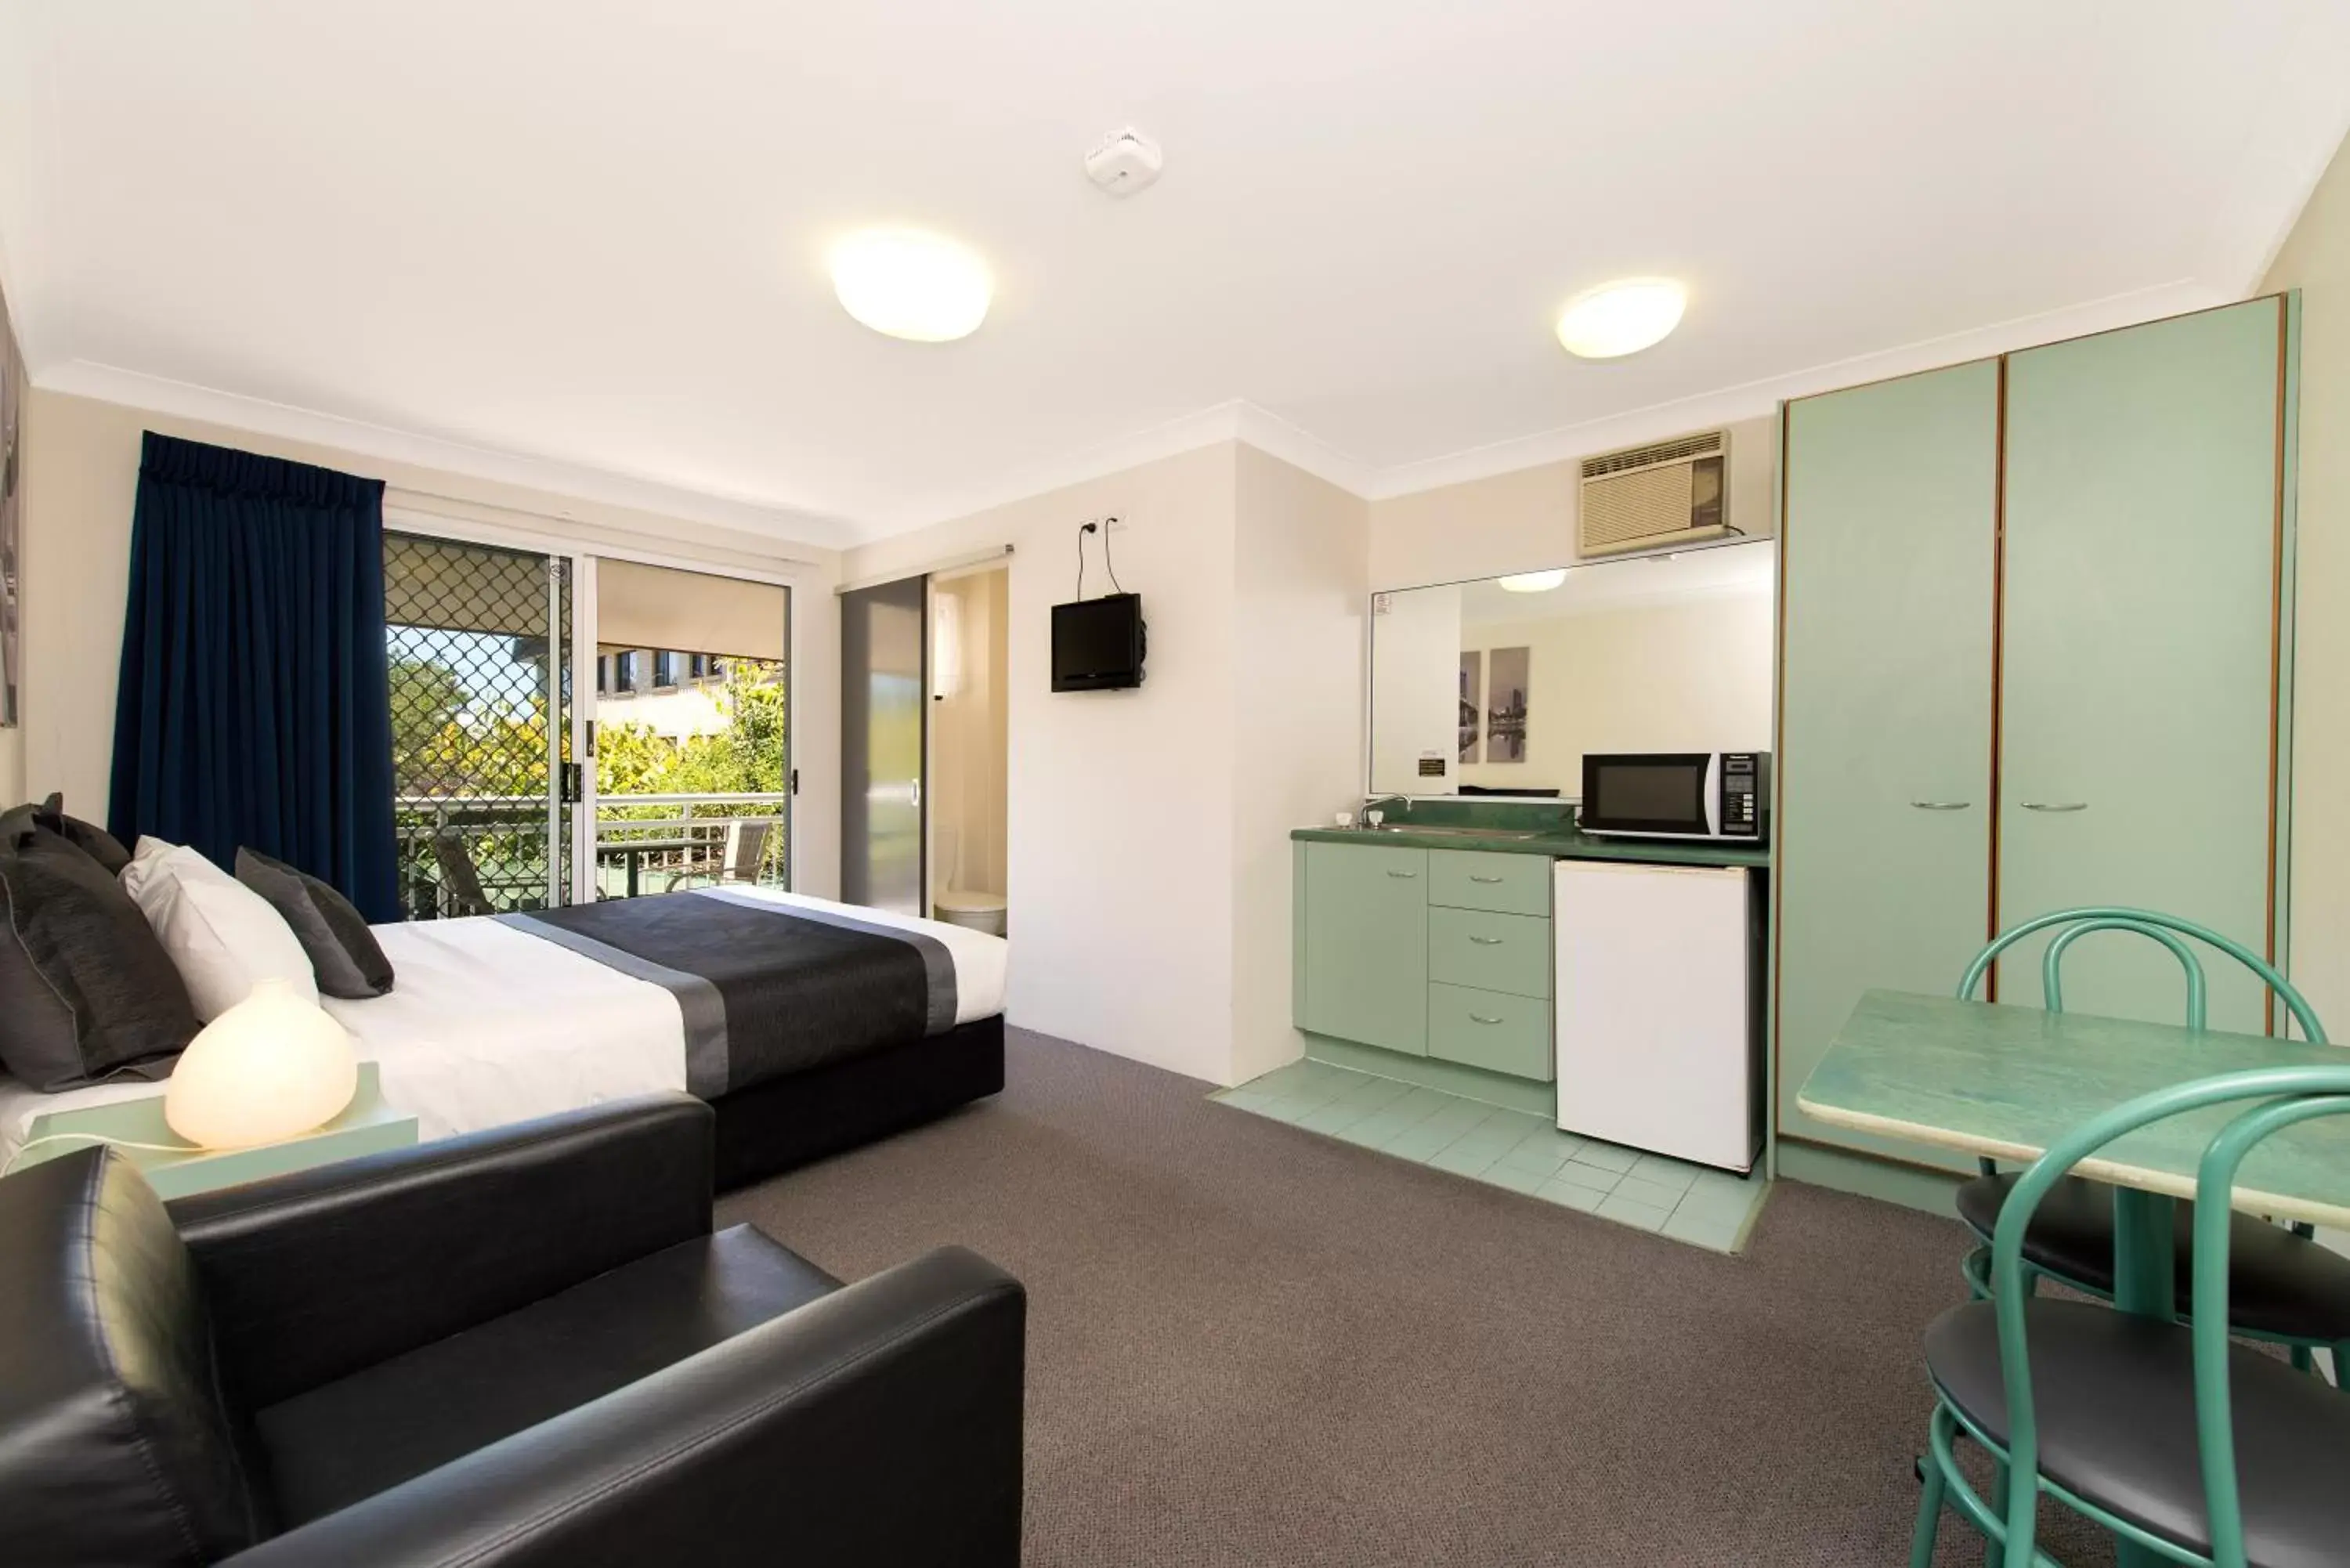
pixel 521 1347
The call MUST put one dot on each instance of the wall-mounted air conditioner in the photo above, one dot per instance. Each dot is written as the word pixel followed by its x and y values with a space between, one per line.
pixel 1654 497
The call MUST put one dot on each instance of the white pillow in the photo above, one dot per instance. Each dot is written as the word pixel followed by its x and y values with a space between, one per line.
pixel 222 935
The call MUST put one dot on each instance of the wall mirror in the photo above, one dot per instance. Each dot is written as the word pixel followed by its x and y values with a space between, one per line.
pixel 1498 687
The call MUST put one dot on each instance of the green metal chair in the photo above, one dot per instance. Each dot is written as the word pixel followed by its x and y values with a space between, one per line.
pixel 2287 1288
pixel 2169 1437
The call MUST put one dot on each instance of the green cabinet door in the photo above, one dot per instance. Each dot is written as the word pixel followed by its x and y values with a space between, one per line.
pixel 2143 529
pixel 1364 945
pixel 1884 801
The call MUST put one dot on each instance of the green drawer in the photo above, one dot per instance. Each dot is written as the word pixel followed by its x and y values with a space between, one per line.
pixel 1491 952
pixel 1505 884
pixel 1490 1029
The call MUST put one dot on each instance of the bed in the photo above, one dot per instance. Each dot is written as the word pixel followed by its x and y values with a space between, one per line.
pixel 810 1026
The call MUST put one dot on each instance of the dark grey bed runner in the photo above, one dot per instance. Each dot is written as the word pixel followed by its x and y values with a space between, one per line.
pixel 765 989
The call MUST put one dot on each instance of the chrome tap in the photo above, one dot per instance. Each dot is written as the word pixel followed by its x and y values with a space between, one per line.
pixel 1373 802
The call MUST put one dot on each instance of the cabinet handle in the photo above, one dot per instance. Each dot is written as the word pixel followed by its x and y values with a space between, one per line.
pixel 1941 804
pixel 2056 805
pixel 1480 1018
pixel 1406 875
pixel 1487 942
pixel 1489 881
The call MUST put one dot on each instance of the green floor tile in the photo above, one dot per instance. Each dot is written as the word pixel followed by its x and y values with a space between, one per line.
pixel 1571 1195
pixel 1417 1142
pixel 1625 1211
pixel 1513 1178
pixel 1664 1172
pixel 1463 1161
pixel 1590 1178
pixel 1540 1158
pixel 1330 1118
pixel 1632 1188
pixel 1607 1156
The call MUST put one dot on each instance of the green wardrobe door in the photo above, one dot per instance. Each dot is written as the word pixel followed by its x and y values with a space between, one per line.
pixel 2142 532
pixel 1366 945
pixel 1884 753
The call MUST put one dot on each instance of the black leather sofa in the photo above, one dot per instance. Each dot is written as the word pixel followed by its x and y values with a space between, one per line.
pixel 521 1347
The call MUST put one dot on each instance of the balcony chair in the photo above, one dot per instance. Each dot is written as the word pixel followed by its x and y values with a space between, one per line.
pixel 461 884
pixel 2287 1288
pixel 517 1349
pixel 745 851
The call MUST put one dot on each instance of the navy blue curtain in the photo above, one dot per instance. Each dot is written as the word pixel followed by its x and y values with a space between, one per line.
pixel 254 705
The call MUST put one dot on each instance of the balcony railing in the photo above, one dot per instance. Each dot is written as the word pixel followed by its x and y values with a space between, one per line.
pixel 500 844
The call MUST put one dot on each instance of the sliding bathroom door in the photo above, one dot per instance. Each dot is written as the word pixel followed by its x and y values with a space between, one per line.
pixel 882 717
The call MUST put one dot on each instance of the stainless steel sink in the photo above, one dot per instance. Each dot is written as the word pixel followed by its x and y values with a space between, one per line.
pixel 1452 832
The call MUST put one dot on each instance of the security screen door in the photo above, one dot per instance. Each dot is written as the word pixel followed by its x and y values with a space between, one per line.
pixel 479 643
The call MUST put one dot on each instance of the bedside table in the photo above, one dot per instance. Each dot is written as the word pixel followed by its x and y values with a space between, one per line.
pixel 366 1125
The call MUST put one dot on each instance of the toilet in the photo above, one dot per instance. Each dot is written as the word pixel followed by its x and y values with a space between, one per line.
pixel 980 912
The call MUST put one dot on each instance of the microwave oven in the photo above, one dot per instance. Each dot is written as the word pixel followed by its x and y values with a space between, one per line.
pixel 1676 794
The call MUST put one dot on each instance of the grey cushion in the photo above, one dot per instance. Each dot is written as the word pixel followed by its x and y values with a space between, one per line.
pixel 87 991
pixel 2278 1282
pixel 87 837
pixel 347 960
pixel 2115 1399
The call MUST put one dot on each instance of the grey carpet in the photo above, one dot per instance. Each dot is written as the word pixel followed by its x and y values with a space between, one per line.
pixel 1252 1345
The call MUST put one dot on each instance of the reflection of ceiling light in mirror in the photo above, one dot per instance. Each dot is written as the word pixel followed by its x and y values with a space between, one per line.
pixel 909 285
pixel 1534 582
pixel 1620 319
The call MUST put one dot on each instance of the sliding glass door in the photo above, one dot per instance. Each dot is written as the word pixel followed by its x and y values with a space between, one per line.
pixel 691 785
pixel 479 638
pixel 569 727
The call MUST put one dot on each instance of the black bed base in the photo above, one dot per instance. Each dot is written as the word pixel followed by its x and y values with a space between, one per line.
pixel 791 1121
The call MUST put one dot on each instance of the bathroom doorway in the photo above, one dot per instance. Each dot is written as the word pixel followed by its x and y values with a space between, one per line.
pixel 970 613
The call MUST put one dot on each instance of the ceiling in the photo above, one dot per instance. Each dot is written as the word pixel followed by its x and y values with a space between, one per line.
pixel 589 236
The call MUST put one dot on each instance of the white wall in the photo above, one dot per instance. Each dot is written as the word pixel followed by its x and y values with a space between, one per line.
pixel 1693 676
pixel 1524 521
pixel 2316 260
pixel 1416 690
pixel 1301 585
pixel 1121 818
pixel 82 474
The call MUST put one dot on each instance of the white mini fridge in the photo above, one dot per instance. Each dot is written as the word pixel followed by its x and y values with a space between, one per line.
pixel 1658 984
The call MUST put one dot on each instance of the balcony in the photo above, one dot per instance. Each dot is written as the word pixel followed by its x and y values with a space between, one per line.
pixel 486 854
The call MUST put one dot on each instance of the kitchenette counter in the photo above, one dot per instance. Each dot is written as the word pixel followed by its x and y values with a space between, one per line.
pixel 1554 840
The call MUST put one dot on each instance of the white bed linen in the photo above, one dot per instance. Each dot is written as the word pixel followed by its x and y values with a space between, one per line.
pixel 487 1024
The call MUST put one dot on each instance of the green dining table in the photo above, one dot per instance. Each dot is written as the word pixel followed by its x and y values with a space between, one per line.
pixel 1981 1078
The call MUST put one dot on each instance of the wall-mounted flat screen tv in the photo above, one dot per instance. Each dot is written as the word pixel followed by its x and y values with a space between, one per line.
pixel 1098 644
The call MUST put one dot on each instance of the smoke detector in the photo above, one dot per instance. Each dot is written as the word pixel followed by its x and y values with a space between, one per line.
pixel 1124 162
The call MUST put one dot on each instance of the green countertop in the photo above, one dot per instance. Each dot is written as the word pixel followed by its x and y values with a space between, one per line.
pixel 1556 842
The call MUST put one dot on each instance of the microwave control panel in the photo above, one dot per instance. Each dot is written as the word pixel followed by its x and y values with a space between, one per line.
pixel 1745 791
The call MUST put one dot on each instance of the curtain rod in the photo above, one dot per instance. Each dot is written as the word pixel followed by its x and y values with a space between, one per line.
pixel 928 569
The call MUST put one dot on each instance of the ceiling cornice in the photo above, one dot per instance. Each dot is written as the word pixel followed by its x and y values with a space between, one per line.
pixel 183 400
pixel 1236 421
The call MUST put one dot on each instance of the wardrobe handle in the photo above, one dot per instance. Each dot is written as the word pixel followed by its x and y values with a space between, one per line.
pixel 2056 805
pixel 1480 1018
pixel 1487 942
pixel 1941 804
pixel 1406 875
pixel 1489 881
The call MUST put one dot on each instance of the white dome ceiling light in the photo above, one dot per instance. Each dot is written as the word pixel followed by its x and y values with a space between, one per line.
pixel 1619 319
pixel 911 286
pixel 1534 582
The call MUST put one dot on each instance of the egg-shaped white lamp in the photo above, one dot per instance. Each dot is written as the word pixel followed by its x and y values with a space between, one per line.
pixel 1534 582
pixel 273 1067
